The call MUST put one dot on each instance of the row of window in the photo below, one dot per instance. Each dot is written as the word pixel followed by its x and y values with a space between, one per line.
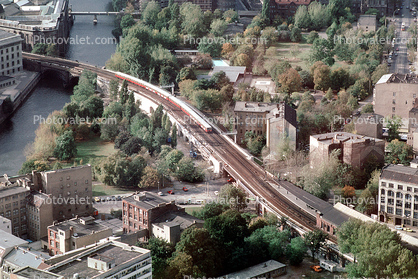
pixel 6 50
pixel 11 57
pixel 399 187
pixel 14 197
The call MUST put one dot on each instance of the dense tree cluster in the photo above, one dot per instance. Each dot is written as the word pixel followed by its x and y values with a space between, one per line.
pixel 229 241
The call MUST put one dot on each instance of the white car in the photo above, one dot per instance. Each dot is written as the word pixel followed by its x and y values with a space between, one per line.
pixel 160 194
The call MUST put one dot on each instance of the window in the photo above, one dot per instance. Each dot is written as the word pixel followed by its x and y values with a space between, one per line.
pixel 75 183
pixel 382 192
pixel 407 213
pixel 68 177
pixel 393 109
pixel 408 197
pixel 400 187
pixel 87 182
pixel 16 211
pixel 414 96
pixel 390 185
pixel 394 94
pixel 399 195
pixel 393 102
pixel 399 203
pixel 407 205
pixel 409 189
pixel 399 211
pixel 390 193
pixel 391 201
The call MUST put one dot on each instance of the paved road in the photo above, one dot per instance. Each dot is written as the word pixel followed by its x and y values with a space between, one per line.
pixel 400 63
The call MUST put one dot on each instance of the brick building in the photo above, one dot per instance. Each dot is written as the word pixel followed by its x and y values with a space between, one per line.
pixel 356 150
pixel 39 215
pixel 140 210
pixel 285 8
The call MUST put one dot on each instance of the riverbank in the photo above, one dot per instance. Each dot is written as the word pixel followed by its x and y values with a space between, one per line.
pixel 24 83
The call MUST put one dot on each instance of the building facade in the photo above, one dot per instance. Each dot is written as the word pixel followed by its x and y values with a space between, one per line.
pixel 37 22
pixel 398 195
pixel 394 95
pixel 356 150
pixel 39 214
pixel 10 54
pixel 265 119
pixel 285 8
pixel 69 188
pixel 140 210
pixel 75 233
pixel 13 206
pixel 370 125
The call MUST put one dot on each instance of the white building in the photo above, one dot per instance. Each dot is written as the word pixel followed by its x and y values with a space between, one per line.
pixel 5 224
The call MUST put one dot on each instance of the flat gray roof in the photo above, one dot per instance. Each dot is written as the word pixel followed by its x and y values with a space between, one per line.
pixel 12 190
pixel 29 272
pixel 177 218
pixel 400 173
pixel 256 270
pixel 79 265
pixel 79 228
pixel 8 240
pixel 146 202
pixel 232 72
pixel 23 257
pixel 330 138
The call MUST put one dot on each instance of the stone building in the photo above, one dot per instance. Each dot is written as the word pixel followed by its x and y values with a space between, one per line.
pixel 394 95
pixel 13 204
pixel 69 188
pixel 370 125
pixel 75 233
pixel 10 56
pixel 39 214
pixel 356 150
pixel 285 8
pixel 275 121
pixel 37 22
pixel 367 23
pixel 398 195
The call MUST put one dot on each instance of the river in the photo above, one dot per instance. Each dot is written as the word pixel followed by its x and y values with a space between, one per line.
pixel 49 95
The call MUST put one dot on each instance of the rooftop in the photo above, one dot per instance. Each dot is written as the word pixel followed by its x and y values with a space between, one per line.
pixel 146 200
pixel 254 107
pixel 400 173
pixel 256 270
pixel 26 257
pixel 29 272
pixel 177 218
pixel 82 226
pixel 338 137
pixel 232 72
pixel 367 20
pixel 8 240
pixel 120 252
pixel 6 191
pixel 398 78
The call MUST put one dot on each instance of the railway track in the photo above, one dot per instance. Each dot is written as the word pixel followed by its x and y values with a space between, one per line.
pixel 253 176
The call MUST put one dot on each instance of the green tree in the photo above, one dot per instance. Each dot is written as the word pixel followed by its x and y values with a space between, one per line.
pixel 196 253
pixel 295 35
pixel 296 250
pixel 210 210
pixel 234 197
pixel 230 16
pixel 218 27
pixel 313 35
pixel 161 252
pixel 368 108
pixel 132 146
pixel 210 46
pixel 187 171
pixel 150 14
pixel 399 153
pixel 321 75
pixel 290 81
pixel 113 89
pixel 393 125
pixel 185 73
pixel 321 50
pixel 174 136
pixel 32 164
pixel 314 240
pixel 173 158
pixel 65 148
pixel 302 19
pixel 150 178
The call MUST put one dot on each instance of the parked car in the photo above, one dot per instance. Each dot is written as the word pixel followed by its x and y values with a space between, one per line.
pixel 160 194
pixel 185 189
pixel 118 198
pixel 230 180
pixel 397 49
pixel 96 199
pixel 103 199
pixel 316 268
pixel 398 227
pixel 408 229
pixel 171 192
pixel 113 198
pixel 108 199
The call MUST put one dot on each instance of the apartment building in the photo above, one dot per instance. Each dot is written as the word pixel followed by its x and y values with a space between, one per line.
pixel 75 233
pixel 13 205
pixel 10 53
pixel 70 190
pixel 39 210
pixel 5 224
pixel 398 195
pixel 107 259
pixel 394 95
pixel 140 210
pixel 272 120
pixel 356 150
pixel 285 8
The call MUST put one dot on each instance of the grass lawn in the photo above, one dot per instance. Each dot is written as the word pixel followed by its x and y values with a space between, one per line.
pixel 189 210
pixel 90 150
pixel 201 72
pixel 100 189
pixel 283 52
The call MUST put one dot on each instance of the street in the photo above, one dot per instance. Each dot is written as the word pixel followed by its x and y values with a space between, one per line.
pixel 400 63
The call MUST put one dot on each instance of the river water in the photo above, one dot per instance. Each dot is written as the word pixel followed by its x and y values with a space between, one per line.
pixel 96 48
